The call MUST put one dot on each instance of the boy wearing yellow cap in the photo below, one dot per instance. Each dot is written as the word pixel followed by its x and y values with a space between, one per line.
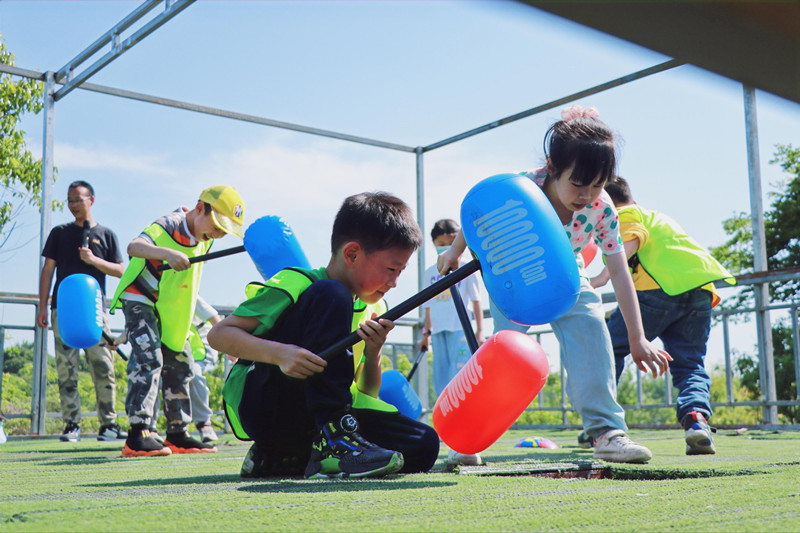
pixel 158 308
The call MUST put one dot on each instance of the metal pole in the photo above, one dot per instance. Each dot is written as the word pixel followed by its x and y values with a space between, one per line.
pixel 2 364
pixel 728 369
pixel 795 350
pixel 761 290
pixel 421 383
pixel 39 385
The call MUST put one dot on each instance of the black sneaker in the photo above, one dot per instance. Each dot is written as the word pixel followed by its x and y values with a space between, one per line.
pixel 111 432
pixel 585 441
pixel 258 463
pixel 182 442
pixel 140 443
pixel 72 433
pixel 339 451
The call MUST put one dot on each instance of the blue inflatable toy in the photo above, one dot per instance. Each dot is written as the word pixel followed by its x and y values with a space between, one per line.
pixel 527 262
pixel 80 311
pixel 396 390
pixel 272 245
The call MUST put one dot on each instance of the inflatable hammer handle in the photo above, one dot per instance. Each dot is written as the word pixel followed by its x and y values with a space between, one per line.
pixel 206 257
pixel 463 317
pixel 109 340
pixel 408 305
pixel 424 350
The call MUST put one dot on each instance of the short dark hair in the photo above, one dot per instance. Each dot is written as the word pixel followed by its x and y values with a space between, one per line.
pixel 445 226
pixel 377 221
pixel 81 183
pixel 588 143
pixel 619 190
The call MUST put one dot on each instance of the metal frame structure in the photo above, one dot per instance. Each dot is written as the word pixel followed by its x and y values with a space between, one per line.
pixel 69 81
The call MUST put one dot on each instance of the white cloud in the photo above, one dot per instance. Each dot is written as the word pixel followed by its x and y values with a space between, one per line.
pixel 104 157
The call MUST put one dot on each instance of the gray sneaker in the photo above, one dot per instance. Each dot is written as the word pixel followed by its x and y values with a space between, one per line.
pixel 111 432
pixel 616 447
pixel 207 433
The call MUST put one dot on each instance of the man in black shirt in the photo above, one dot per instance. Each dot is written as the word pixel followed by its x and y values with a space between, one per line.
pixel 66 253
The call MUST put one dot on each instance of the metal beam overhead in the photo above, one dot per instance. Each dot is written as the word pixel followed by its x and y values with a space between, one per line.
pixel 667 65
pixel 112 36
pixel 206 110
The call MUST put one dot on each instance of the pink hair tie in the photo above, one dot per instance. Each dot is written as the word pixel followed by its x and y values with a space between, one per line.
pixel 576 111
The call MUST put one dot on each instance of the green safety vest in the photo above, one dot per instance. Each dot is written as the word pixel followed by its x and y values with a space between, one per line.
pixel 671 257
pixel 196 344
pixel 177 291
pixel 293 282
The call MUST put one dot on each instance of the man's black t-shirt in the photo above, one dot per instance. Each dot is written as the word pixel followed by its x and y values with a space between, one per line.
pixel 62 246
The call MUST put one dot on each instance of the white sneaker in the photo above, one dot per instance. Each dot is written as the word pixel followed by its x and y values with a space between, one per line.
pixel 616 447
pixel 467 459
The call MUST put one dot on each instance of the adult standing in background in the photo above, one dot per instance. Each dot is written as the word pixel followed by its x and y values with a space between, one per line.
pixel 81 247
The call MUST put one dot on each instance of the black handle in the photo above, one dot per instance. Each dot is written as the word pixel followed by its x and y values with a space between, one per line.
pixel 206 257
pixel 463 317
pixel 412 303
pixel 423 351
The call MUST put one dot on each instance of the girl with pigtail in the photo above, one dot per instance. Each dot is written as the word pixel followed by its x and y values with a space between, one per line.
pixel 580 159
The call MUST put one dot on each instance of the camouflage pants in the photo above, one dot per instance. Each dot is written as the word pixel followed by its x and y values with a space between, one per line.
pixel 150 360
pixel 101 367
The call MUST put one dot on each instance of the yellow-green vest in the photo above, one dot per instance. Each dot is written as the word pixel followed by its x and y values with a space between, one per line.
pixel 196 344
pixel 177 291
pixel 672 258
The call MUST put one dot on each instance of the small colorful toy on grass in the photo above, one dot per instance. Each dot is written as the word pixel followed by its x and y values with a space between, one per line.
pixel 535 442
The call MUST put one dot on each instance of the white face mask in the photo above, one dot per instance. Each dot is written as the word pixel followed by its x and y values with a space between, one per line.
pixel 440 249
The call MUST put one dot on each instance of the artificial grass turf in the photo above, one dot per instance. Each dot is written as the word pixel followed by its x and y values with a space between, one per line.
pixel 750 485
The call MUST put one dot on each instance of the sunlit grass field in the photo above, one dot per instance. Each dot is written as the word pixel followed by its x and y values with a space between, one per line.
pixel 751 484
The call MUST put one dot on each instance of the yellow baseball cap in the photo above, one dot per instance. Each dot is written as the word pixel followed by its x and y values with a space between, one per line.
pixel 228 208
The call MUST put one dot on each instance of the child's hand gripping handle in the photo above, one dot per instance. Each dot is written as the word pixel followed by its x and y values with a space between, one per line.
pixel 408 305
pixel 109 340
pixel 206 257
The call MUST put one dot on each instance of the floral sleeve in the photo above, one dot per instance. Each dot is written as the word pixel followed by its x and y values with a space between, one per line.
pixel 606 231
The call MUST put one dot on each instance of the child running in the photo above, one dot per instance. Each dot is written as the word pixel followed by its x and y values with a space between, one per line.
pixel 580 154
pixel 307 415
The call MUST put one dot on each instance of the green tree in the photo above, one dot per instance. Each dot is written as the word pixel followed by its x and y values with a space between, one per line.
pixel 782 240
pixel 20 171
pixel 17 356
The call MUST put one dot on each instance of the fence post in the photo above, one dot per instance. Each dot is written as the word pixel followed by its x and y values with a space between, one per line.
pixel 761 290
pixel 2 363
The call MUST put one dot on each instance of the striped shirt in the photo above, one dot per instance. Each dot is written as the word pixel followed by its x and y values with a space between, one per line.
pixel 145 288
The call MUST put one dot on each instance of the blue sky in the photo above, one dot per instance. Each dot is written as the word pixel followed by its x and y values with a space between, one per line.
pixel 404 72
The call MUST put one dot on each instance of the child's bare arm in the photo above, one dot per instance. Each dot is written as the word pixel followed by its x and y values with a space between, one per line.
pixel 140 247
pixel 450 258
pixel 643 352
pixel 631 247
pixel 477 312
pixel 233 336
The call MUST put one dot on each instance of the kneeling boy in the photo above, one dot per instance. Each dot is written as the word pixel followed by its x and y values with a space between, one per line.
pixel 307 415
